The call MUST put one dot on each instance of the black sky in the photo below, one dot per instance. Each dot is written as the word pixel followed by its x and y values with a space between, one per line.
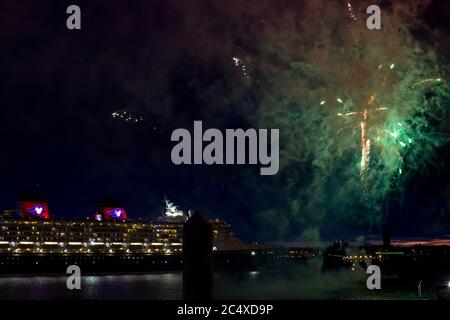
pixel 159 58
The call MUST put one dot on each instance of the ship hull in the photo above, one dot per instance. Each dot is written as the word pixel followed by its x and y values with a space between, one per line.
pixel 41 264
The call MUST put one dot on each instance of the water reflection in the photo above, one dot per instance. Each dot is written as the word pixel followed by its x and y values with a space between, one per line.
pixel 118 287
pixel 168 286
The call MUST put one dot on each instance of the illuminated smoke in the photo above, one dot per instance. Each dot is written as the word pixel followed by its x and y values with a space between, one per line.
pixel 359 161
pixel 314 68
pixel 172 210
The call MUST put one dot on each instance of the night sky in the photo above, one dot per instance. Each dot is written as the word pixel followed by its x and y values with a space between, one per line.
pixel 171 63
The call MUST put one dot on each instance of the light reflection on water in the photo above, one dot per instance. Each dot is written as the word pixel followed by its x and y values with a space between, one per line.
pixel 168 286
pixel 162 286
pixel 158 286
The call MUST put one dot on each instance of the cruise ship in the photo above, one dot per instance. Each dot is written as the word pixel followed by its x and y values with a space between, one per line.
pixel 32 241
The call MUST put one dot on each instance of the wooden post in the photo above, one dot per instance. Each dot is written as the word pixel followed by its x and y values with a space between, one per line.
pixel 197 258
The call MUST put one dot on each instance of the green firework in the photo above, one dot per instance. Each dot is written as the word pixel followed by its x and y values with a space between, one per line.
pixel 318 98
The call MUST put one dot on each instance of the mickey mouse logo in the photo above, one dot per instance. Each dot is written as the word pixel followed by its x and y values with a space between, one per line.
pixel 37 209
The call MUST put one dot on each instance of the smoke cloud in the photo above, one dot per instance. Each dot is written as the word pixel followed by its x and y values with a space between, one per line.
pixel 307 65
pixel 298 66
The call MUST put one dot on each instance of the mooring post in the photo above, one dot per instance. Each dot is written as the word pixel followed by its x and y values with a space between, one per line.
pixel 197 258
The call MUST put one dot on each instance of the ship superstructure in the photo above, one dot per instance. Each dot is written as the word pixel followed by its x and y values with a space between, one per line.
pixel 110 231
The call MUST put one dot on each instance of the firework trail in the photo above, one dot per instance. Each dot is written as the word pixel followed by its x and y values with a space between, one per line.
pixel 372 106
pixel 241 65
pixel 426 81
pixel 127 115
pixel 350 11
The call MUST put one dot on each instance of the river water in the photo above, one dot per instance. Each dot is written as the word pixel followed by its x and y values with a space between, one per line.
pixel 168 286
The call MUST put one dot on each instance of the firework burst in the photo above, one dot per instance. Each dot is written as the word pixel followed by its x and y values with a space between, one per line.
pixel 391 136
pixel 363 113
